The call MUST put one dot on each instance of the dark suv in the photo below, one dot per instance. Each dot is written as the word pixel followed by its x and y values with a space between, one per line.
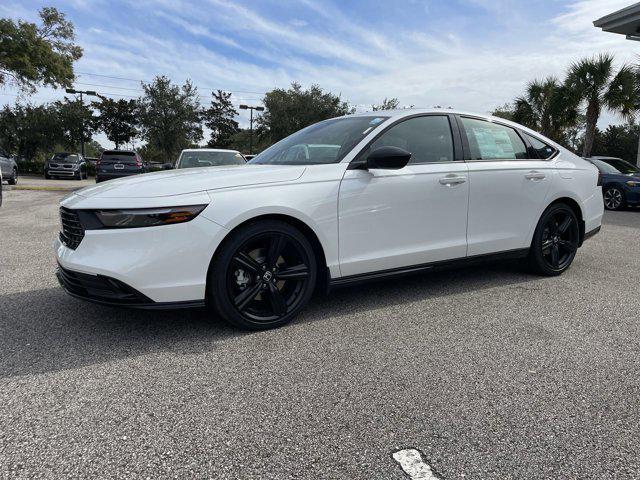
pixel 119 163
pixel 66 165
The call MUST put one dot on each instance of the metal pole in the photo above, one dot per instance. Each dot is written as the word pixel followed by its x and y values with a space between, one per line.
pixel 251 133
pixel 82 129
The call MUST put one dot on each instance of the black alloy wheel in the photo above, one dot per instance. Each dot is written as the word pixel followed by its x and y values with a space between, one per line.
pixel 555 241
pixel 264 275
pixel 14 178
pixel 613 198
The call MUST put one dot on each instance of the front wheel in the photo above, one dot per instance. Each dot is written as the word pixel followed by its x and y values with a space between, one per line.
pixel 613 198
pixel 264 274
pixel 555 240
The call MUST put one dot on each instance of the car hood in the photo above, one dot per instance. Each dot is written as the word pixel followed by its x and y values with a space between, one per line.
pixel 192 180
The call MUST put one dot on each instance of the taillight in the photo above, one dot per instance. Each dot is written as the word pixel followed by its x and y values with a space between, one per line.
pixel 138 161
pixel 99 160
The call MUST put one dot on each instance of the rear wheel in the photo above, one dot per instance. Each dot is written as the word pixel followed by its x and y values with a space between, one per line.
pixel 14 177
pixel 555 241
pixel 264 274
pixel 613 198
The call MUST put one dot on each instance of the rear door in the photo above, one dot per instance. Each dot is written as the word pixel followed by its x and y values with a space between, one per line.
pixel 508 186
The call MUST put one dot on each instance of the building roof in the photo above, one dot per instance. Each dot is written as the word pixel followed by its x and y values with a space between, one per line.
pixel 624 22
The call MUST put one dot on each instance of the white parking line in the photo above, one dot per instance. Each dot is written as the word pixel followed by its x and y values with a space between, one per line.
pixel 411 462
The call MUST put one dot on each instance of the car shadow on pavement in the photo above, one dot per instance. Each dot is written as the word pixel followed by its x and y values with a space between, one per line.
pixel 47 331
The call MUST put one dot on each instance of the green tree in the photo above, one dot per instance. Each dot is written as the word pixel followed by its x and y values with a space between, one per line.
pixel 617 141
pixel 505 111
pixel 30 132
pixel 387 104
pixel 287 111
pixel 595 83
pixel 170 117
pixel 32 55
pixel 548 107
pixel 77 123
pixel 118 119
pixel 220 119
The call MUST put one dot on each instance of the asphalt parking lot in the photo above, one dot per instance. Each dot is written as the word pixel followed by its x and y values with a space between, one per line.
pixel 488 371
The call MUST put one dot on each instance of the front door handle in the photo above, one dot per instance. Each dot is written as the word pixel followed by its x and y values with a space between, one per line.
pixel 533 175
pixel 451 180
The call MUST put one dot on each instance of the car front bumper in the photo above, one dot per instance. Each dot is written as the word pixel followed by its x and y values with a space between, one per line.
pixel 60 172
pixel 141 267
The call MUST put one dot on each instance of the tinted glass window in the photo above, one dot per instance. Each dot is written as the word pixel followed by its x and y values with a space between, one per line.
pixel 196 159
pixel 118 157
pixel 324 142
pixel 427 138
pixel 542 150
pixel 491 141
pixel 621 166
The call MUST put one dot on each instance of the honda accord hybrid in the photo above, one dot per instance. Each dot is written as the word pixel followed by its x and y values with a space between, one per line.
pixel 342 201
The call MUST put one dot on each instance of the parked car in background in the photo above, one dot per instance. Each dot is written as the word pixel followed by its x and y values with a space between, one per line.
pixel 91 160
pixel 118 164
pixel 66 165
pixel 0 188
pixel 346 200
pixel 209 157
pixel 8 167
pixel 248 157
pixel 620 182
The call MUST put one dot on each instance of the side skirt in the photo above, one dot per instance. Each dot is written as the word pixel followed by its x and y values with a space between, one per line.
pixel 434 266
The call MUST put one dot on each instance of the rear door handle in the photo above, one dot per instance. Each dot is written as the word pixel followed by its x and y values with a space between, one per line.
pixel 451 180
pixel 533 175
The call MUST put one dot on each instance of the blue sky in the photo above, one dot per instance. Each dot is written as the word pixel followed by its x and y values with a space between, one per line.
pixel 468 54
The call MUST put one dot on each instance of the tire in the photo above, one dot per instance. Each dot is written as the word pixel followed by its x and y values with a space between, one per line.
pixel 247 284
pixel 614 198
pixel 555 241
pixel 14 178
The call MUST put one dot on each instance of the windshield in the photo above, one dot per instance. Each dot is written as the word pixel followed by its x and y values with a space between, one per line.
pixel 321 143
pixel 209 159
pixel 615 165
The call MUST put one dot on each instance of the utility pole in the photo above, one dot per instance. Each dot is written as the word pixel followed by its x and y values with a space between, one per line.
pixel 257 109
pixel 85 92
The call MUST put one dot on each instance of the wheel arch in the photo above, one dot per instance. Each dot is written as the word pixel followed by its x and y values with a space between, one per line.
pixel 322 281
pixel 577 209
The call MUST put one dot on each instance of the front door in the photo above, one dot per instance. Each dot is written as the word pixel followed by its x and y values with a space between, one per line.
pixel 391 219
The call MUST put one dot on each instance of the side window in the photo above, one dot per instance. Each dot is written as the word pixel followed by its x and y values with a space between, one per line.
pixel 542 150
pixel 427 138
pixel 491 141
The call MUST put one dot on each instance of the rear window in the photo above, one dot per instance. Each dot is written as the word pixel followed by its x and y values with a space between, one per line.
pixel 542 150
pixel 492 141
pixel 119 157
pixel 197 159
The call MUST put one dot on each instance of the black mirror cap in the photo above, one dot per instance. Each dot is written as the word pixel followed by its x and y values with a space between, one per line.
pixel 389 158
pixel 167 166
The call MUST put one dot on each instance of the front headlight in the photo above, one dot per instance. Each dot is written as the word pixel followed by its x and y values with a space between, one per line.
pixel 147 217
pixel 633 183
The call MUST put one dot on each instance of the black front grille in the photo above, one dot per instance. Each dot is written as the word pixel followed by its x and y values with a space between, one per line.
pixel 72 230
pixel 100 288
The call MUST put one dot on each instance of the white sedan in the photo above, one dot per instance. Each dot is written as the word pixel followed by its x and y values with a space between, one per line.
pixel 342 201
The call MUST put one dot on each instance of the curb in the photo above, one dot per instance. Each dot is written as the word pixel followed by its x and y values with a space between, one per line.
pixel 44 189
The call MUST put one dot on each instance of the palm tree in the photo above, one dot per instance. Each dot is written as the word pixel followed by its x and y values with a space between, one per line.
pixel 547 107
pixel 594 83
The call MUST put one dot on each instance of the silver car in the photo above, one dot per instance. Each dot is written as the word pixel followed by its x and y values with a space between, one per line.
pixel 8 167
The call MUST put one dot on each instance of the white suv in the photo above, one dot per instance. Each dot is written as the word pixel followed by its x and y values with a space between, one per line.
pixel 342 201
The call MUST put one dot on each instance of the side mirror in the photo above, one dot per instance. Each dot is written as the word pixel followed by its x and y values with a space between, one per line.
pixel 388 158
pixel 167 166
